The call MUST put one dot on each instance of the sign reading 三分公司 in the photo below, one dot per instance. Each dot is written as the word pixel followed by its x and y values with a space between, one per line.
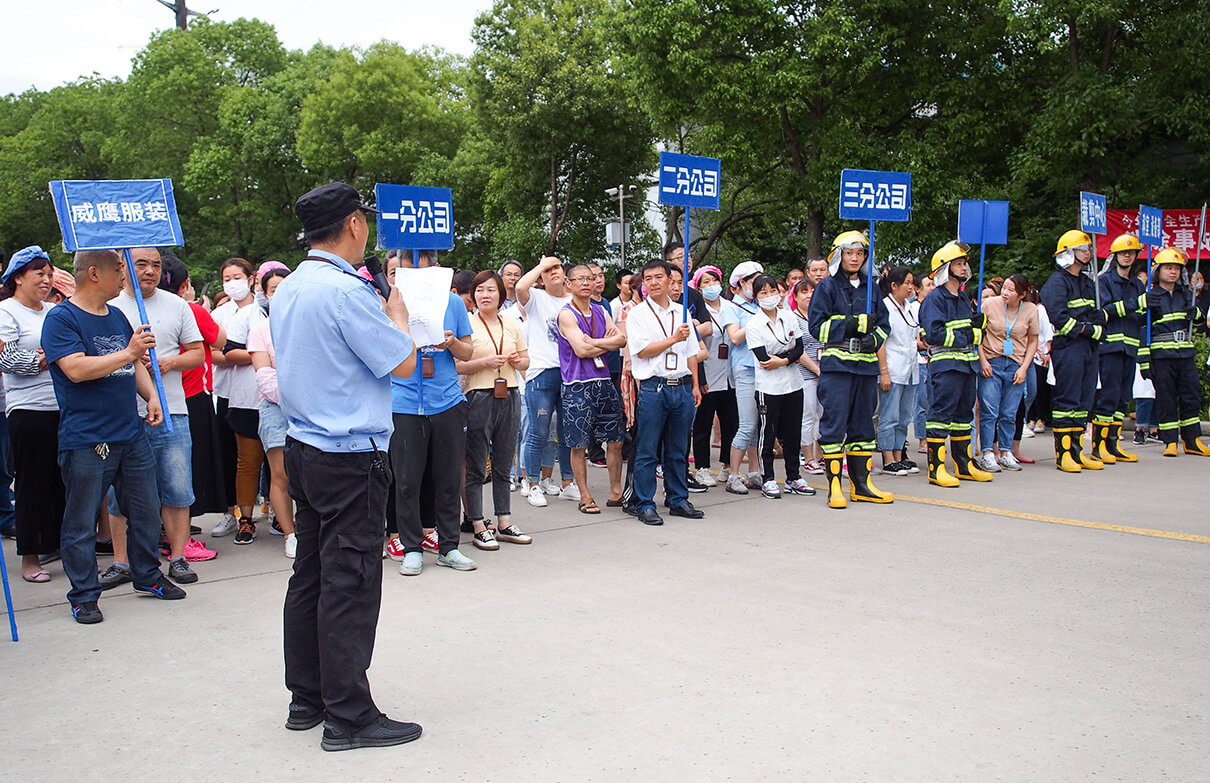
pixel 411 217
pixel 1094 213
pixel 1151 226
pixel 689 180
pixel 875 195
pixel 113 214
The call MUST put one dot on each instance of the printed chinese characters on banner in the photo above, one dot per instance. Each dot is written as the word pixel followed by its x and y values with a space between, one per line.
pixel 1180 229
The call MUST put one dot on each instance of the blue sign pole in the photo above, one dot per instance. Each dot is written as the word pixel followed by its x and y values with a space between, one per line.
pixel 155 365
pixel 685 272
pixel 982 258
pixel 1151 233
pixel 869 288
pixel 8 595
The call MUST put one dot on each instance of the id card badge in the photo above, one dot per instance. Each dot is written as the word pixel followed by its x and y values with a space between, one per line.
pixel 500 388
pixel 598 362
pixel 426 366
pixel 724 350
pixel 670 361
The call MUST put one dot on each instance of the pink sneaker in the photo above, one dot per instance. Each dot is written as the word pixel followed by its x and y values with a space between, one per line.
pixel 429 544
pixel 196 551
pixel 394 550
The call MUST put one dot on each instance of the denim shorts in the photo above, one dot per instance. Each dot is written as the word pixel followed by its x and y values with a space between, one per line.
pixel 592 413
pixel 173 453
pixel 272 427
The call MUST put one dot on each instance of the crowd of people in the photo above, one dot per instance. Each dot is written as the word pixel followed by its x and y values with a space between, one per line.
pixel 823 369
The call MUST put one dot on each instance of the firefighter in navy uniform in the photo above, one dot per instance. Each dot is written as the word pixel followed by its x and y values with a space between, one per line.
pixel 1168 360
pixel 848 380
pixel 953 331
pixel 1070 300
pixel 1124 302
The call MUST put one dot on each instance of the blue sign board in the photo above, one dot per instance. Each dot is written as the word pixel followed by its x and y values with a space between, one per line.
pixel 1151 226
pixel 982 222
pixel 112 214
pixel 689 180
pixel 875 195
pixel 1094 213
pixel 414 218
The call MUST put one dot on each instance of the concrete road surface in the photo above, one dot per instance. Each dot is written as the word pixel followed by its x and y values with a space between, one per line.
pixel 1056 630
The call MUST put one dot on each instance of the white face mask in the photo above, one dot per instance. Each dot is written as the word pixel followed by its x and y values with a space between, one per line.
pixel 712 292
pixel 236 289
pixel 769 302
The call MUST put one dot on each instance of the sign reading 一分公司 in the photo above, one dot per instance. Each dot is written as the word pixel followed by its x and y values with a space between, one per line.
pixel 875 195
pixel 689 180
pixel 114 214
pixel 1093 213
pixel 411 217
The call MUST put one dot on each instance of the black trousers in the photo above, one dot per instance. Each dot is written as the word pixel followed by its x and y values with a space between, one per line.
pixel 332 602
pixel 720 403
pixel 1117 387
pixel 1178 399
pixel 228 452
pixel 1075 381
pixel 39 497
pixel 849 401
pixel 209 486
pixel 951 403
pixel 1040 410
pixel 491 427
pixel 783 421
pixel 427 456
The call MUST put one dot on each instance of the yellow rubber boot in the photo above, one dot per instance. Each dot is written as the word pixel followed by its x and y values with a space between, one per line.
pixel 1063 459
pixel 833 468
pixel 1170 449
pixel 860 487
pixel 1196 447
pixel 1088 461
pixel 964 465
pixel 937 473
pixel 1101 432
pixel 1115 445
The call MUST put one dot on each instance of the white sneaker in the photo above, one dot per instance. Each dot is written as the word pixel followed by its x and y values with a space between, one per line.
pixel 1008 461
pixel 413 564
pixel 1026 432
pixel 291 545
pixel 771 489
pixel 225 527
pixel 570 492
pixel 988 462
pixel 704 476
pixel 535 496
pixel 724 475
pixel 736 485
pixel 512 483
pixel 550 486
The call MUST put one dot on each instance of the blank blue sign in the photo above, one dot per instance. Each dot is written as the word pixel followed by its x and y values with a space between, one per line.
pixel 982 222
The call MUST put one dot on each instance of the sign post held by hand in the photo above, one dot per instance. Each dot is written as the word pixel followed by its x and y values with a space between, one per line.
pixel 874 196
pixel 1151 234
pixel 689 181
pixel 119 215
pixel 1094 219
pixel 983 223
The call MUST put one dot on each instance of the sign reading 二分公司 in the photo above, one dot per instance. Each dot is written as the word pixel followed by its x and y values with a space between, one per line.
pixel 113 214
pixel 875 195
pixel 411 217
pixel 1093 213
pixel 1151 226
pixel 689 180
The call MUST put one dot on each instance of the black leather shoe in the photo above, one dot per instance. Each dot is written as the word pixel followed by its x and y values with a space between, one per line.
pixel 379 733
pixel 302 717
pixel 630 509
pixel 648 516
pixel 687 511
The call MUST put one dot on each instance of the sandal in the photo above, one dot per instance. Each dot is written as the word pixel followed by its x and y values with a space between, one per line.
pixel 589 507
pixel 37 576
pixel 611 503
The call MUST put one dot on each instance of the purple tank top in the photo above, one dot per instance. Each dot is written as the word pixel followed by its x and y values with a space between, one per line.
pixel 571 367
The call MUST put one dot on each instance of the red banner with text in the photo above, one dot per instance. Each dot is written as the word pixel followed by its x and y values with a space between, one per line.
pixel 1180 230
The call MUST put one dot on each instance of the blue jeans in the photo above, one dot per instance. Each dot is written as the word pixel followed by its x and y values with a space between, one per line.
pixel 923 394
pixel 895 408
pixel 1144 413
pixel 86 476
pixel 542 401
pixel 664 412
pixel 749 416
pixel 8 519
pixel 999 399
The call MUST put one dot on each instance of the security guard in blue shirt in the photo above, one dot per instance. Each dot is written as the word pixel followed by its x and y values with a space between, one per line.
pixel 336 347
pixel 1070 300
pixel 1168 359
pixel 1124 302
pixel 848 380
pixel 954 332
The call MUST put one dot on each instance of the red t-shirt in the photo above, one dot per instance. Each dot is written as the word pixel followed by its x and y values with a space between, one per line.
pixel 201 379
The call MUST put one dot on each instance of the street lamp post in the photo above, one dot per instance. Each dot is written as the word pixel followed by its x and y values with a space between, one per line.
pixel 621 193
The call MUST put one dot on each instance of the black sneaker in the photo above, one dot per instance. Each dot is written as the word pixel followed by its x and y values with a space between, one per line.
pixel 379 733
pixel 911 465
pixel 163 589
pixel 1154 437
pixel 87 613
pixel 113 576
pixel 303 717
pixel 194 530
pixel 246 534
pixel 598 463
pixel 1140 438
pixel 105 547
pixel 180 572
pixel 695 486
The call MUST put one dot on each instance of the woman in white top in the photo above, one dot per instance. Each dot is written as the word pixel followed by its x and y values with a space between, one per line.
pixel 33 412
pixel 923 284
pixel 238 401
pixel 775 339
pixel 719 398
pixel 898 374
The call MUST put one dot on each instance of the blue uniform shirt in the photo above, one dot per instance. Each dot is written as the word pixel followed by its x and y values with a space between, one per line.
pixel 335 348
pixel 740 314
pixel 420 396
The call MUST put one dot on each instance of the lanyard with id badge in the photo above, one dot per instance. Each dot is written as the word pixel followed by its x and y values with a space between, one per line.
pixel 500 385
pixel 671 359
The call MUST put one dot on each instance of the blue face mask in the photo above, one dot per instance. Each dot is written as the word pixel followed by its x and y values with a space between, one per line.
pixel 712 292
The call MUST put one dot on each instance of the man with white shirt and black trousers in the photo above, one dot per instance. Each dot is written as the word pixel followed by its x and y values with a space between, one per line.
pixel 664 351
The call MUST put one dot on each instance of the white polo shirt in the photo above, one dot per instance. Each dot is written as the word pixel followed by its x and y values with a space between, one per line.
pixel 648 323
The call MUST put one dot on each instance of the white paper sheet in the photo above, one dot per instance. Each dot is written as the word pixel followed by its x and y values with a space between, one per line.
pixel 426 292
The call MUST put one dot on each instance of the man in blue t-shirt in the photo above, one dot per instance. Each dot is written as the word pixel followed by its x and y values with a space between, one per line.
pixel 428 448
pixel 96 364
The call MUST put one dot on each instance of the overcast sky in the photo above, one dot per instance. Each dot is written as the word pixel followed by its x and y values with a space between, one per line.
pixel 48 43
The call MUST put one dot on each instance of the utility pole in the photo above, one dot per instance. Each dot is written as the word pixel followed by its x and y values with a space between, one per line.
pixel 621 193
pixel 182 13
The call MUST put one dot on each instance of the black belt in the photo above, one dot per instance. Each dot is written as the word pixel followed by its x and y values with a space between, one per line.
pixel 666 381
